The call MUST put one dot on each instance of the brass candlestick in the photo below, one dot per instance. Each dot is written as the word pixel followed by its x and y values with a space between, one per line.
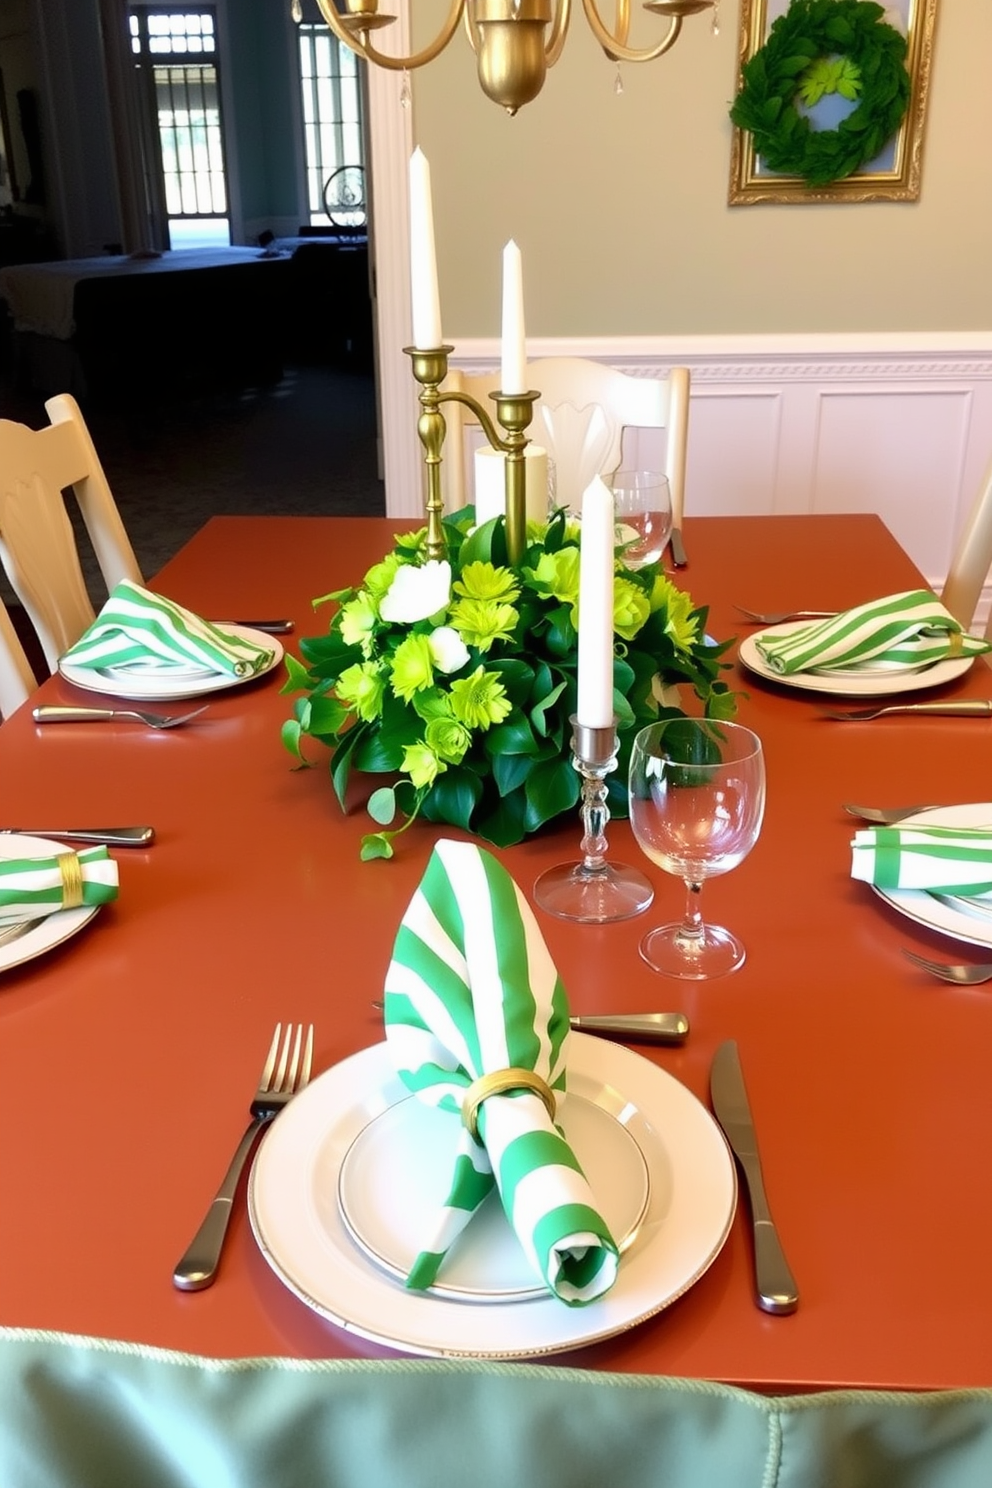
pixel 514 412
pixel 430 368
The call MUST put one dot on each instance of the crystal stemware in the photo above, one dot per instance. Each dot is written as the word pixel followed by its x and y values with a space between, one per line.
pixel 697 798
pixel 642 502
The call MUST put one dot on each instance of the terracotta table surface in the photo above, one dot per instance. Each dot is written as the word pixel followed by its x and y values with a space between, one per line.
pixel 130 1053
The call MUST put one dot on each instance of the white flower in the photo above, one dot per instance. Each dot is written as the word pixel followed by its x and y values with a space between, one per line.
pixel 417 592
pixel 449 652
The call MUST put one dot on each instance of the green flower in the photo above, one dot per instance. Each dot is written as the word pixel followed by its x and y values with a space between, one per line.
pixel 421 764
pixel 448 738
pixel 357 620
pixel 484 581
pixel 413 667
pixel 480 701
pixel 556 576
pixel 480 622
pixel 381 575
pixel 410 542
pixel 362 687
pixel 680 623
pixel 631 608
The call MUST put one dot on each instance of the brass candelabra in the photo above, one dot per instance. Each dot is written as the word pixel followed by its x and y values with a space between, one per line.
pixel 514 412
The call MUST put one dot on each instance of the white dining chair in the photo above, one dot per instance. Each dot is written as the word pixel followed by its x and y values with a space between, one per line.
pixel 972 560
pixel 37 543
pixel 580 419
pixel 17 680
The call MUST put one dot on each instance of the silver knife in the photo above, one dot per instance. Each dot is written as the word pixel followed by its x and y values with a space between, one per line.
pixel 640 1028
pixel 270 627
pixel 107 836
pixel 776 1287
pixel 678 548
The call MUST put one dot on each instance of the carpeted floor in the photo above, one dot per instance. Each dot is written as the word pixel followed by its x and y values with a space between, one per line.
pixel 304 447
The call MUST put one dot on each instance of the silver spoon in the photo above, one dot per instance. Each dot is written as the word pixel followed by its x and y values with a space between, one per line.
pixel 886 816
pixel 958 973
pixel 51 713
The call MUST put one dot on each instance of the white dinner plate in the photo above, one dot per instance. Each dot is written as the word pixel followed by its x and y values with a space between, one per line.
pixel 944 912
pixel 292 1203
pixel 154 688
pixel 848 683
pixel 397 1172
pixel 55 927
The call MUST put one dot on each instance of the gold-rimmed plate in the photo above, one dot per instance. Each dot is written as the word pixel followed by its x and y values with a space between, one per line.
pixel 396 1173
pixel 297 1221
pixel 849 682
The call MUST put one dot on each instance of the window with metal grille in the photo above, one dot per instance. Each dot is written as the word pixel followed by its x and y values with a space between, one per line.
pixel 181 46
pixel 333 129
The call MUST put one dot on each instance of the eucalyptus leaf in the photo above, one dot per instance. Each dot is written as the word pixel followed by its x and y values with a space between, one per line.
pixel 381 805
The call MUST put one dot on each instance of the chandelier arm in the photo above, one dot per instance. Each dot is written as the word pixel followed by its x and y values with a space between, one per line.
pixel 363 45
pixel 559 30
pixel 615 48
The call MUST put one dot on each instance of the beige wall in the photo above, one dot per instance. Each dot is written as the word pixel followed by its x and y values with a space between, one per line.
pixel 620 204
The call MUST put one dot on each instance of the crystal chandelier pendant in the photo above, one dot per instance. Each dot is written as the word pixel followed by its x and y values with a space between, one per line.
pixel 716 17
pixel 618 82
pixel 406 97
pixel 296 11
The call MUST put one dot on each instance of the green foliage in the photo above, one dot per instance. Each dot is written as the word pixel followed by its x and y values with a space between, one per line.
pixel 481 736
pixel 819 47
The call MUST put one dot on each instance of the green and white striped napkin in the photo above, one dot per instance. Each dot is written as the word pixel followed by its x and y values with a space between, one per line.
pixel 30 887
pixel 140 632
pixel 945 860
pixel 901 632
pixel 471 990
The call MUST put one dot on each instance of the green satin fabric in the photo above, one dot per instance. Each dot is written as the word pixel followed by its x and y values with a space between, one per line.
pixel 83 1413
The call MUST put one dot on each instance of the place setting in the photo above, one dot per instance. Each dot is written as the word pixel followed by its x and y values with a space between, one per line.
pixel 934 867
pixel 145 648
pixel 49 892
pixel 901 643
pixel 381 1195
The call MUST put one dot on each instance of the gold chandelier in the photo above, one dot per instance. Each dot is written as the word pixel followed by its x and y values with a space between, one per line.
pixel 515 41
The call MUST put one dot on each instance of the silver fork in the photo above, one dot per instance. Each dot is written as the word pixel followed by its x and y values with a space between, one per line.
pixel 51 713
pixel 284 1074
pixel 966 708
pixel 959 973
pixel 777 617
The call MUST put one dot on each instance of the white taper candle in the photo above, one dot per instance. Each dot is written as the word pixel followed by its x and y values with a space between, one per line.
pixel 595 703
pixel 513 366
pixel 423 263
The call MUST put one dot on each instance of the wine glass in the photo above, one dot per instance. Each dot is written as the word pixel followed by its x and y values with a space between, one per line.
pixel 642 503
pixel 697 798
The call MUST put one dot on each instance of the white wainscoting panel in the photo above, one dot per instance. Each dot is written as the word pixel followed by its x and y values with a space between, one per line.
pixel 899 424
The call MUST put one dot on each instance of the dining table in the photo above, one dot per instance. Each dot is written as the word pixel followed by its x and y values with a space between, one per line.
pixel 130 1052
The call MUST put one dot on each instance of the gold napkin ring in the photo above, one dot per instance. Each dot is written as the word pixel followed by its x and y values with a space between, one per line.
pixel 495 1083
pixel 72 880
pixel 955 644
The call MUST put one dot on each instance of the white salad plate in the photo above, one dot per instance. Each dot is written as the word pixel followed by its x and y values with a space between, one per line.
pixel 161 687
pixel 55 927
pixel 398 1169
pixel 297 1219
pixel 862 682
pixel 954 915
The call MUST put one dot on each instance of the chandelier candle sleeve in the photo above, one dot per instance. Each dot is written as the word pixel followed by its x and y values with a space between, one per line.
pixel 595 663
pixel 425 299
pixel 513 367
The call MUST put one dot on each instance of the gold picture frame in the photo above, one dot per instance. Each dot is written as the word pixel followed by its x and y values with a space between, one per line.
pixel 894 176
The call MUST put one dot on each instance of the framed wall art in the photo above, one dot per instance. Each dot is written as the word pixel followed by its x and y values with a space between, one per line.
pixel 831 101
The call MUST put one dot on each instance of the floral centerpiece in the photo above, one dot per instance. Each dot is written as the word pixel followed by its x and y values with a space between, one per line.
pixel 459 678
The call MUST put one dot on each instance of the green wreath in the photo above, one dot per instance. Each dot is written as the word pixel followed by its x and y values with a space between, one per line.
pixel 818 47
